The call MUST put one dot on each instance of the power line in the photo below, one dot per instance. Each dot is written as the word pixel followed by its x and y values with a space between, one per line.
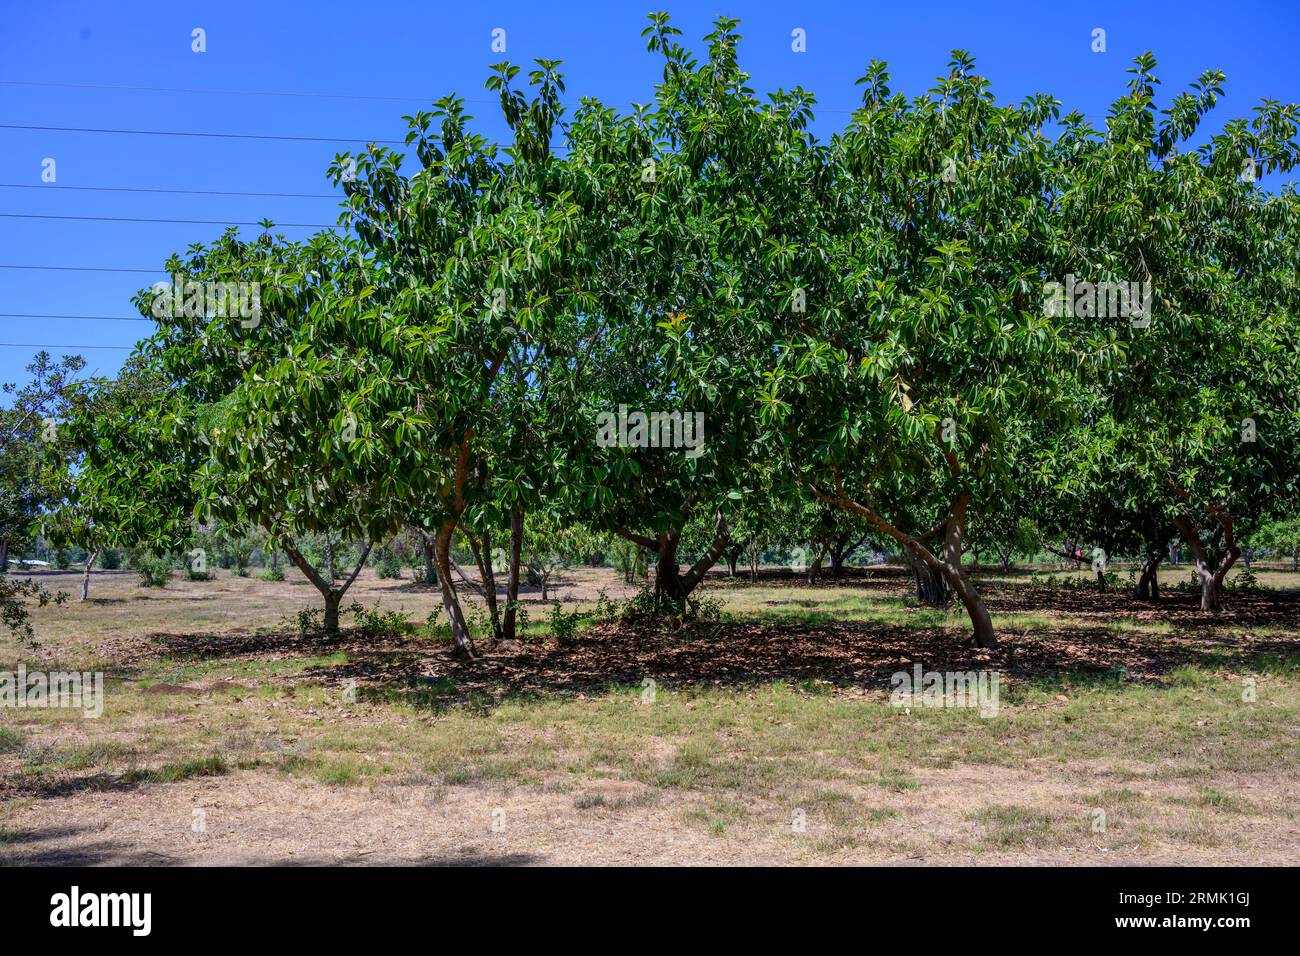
pixel 318 95
pixel 79 268
pixel 36 345
pixel 186 192
pixel 188 222
pixel 82 318
pixel 169 132
pixel 208 135
pixel 174 89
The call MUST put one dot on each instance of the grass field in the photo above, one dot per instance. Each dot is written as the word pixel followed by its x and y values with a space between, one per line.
pixel 1126 732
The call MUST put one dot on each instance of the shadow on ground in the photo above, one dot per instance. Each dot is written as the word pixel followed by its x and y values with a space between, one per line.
pixel 1098 634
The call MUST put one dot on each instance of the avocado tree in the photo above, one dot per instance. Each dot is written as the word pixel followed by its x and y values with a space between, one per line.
pixel 1195 431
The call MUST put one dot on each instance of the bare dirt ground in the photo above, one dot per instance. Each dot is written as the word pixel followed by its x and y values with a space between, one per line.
pixel 1126 734
pixel 255 818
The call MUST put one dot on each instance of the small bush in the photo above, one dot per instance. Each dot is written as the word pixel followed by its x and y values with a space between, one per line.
pixel 563 626
pixel 376 622
pixel 154 571
pixel 270 573
pixel 111 559
pixel 1244 581
pixel 606 608
pixel 309 620
pixel 388 566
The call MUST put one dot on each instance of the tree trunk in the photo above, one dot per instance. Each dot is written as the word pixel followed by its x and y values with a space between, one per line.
pixel 430 575
pixel 1101 581
pixel 4 556
pixel 1295 558
pixel 931 587
pixel 670 583
pixel 1209 571
pixel 954 527
pixel 981 621
pixel 85 575
pixel 333 595
pixel 463 642
pixel 482 549
pixel 815 568
pixel 333 598
pixel 668 579
pixel 842 547
pixel 329 558
pixel 1148 586
pixel 512 577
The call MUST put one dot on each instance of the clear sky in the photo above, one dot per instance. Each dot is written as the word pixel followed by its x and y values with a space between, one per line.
pixel 65 64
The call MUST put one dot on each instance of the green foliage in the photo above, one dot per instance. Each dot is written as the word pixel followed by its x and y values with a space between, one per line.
pixel 154 571
pixel 388 566
pixel 14 594
pixel 308 620
pixel 563 627
pixel 377 623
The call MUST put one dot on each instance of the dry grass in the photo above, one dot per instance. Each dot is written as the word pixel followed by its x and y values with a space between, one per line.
pixel 212 707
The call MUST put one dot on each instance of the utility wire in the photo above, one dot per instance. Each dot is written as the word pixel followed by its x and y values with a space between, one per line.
pixel 86 318
pixel 209 135
pixel 79 268
pixel 186 192
pixel 36 345
pixel 191 222
pixel 174 89
pixel 170 132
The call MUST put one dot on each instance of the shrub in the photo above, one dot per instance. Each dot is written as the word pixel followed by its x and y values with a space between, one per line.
pixel 271 573
pixel 309 620
pixel 389 566
pixel 110 559
pixel 155 572
pixel 606 608
pixel 376 622
pixel 562 626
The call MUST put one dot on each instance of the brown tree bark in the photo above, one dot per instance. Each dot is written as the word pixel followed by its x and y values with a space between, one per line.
pixel 460 636
pixel 670 583
pixel 954 529
pixel 1211 569
pixel 512 578
pixel 482 550
pixel 85 575
pixel 1148 585
pixel 931 587
pixel 332 594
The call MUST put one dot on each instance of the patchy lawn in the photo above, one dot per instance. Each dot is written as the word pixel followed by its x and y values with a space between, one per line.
pixel 1124 733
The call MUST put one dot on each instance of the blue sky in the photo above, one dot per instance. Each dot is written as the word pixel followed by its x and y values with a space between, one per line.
pixel 400 55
